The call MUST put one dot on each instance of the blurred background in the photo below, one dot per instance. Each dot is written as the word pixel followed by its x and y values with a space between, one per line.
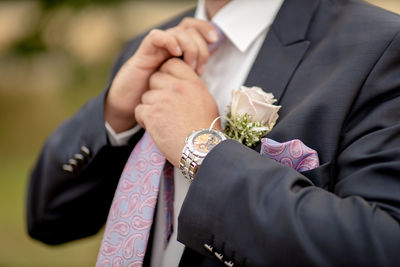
pixel 54 56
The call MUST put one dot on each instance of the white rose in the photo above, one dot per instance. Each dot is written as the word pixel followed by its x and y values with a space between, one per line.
pixel 256 103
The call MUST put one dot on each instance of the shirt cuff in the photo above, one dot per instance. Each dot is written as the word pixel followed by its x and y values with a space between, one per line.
pixel 122 138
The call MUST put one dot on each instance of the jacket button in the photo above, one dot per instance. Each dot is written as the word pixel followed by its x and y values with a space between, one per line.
pixel 85 151
pixel 67 168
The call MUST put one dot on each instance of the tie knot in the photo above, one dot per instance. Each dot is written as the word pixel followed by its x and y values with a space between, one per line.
pixel 221 37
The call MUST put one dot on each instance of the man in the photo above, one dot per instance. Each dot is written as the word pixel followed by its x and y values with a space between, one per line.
pixel 334 67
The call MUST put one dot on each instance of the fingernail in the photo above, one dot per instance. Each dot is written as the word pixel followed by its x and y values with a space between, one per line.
pixel 178 50
pixel 212 36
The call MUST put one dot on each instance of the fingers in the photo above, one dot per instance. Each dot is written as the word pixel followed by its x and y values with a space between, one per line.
pixel 156 47
pixel 161 39
pixel 153 104
pixel 193 37
pixel 160 81
pixel 154 100
pixel 178 69
pixel 203 52
pixel 189 39
pixel 187 44
pixel 162 85
pixel 142 111
pixel 203 27
pixel 193 45
pixel 205 36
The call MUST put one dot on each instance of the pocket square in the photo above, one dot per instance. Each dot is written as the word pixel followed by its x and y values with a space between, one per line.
pixel 294 154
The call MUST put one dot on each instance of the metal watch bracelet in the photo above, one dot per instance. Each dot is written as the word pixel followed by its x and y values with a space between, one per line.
pixel 188 164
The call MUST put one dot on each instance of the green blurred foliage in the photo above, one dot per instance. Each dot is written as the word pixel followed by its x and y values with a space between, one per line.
pixel 83 3
pixel 30 45
pixel 47 4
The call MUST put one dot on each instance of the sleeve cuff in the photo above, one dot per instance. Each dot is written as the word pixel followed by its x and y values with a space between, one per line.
pixel 120 139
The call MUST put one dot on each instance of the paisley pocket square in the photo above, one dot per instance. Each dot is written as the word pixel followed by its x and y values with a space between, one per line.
pixel 294 154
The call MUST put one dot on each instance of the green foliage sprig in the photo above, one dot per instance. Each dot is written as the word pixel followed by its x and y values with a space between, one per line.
pixel 245 130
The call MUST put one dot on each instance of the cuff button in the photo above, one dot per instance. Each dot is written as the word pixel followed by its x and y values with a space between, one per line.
pixel 229 263
pixel 78 157
pixel 85 151
pixel 209 248
pixel 73 162
pixel 67 168
pixel 219 256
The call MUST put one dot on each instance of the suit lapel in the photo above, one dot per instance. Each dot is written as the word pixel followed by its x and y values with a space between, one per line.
pixel 283 48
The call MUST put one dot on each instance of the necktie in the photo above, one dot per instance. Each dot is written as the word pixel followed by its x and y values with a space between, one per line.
pixel 132 211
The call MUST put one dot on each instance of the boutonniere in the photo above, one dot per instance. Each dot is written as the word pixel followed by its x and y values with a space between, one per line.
pixel 252 115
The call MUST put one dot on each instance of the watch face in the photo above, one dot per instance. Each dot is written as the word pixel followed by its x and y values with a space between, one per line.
pixel 204 141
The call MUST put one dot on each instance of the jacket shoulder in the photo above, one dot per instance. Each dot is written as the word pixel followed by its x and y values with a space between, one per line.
pixel 353 23
pixel 364 12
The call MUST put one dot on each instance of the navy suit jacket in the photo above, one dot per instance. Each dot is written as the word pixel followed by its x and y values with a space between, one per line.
pixel 334 66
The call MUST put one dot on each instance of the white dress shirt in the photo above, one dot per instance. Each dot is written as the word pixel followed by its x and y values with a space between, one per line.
pixel 245 24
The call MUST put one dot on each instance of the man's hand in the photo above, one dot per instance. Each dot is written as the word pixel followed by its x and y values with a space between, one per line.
pixel 189 39
pixel 177 103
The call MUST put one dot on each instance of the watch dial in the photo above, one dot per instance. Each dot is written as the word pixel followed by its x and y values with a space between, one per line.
pixel 205 141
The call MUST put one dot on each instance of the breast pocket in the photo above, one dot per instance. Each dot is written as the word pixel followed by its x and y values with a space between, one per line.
pixel 320 176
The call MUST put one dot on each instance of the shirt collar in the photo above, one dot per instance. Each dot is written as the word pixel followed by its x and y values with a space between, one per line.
pixel 242 21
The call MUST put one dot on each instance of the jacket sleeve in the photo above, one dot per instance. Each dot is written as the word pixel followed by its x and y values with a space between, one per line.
pixel 257 212
pixel 73 182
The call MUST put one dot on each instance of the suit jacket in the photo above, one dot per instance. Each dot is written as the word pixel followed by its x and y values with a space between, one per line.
pixel 335 68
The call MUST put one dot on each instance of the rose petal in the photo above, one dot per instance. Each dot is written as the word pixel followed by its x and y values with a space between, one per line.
pixel 256 93
pixel 235 101
pixel 273 119
pixel 266 113
pixel 245 105
pixel 242 104
pixel 255 103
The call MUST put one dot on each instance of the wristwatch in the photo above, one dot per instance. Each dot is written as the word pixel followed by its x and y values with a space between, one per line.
pixel 197 145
